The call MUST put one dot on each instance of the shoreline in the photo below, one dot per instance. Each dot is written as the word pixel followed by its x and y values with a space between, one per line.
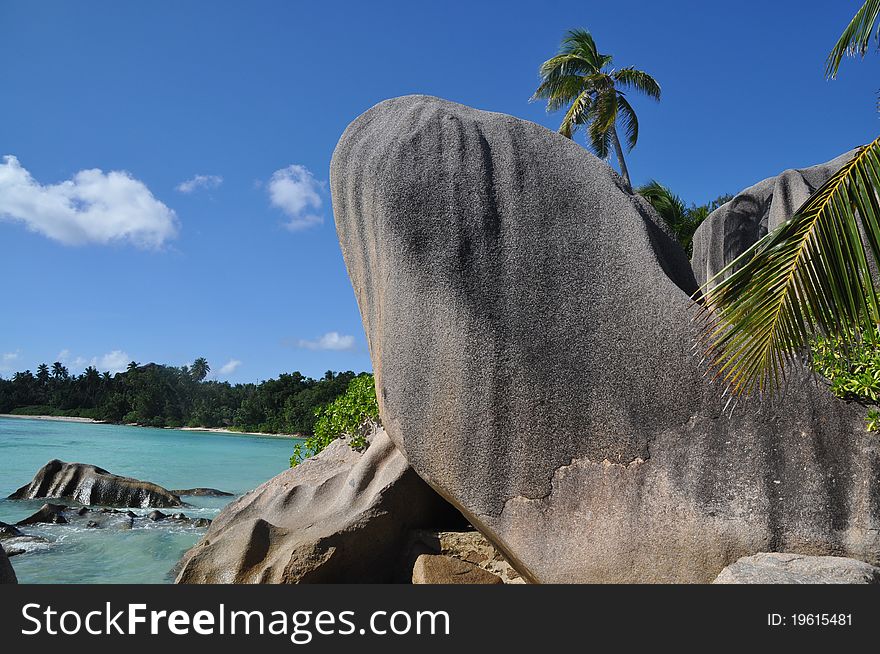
pixel 56 418
pixel 209 430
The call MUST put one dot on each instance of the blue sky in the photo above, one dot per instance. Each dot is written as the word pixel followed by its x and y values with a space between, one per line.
pixel 246 100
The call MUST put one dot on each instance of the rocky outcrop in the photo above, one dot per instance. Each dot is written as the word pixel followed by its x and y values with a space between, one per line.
pixel 341 516
pixel 442 569
pixel 734 227
pixel 784 568
pixel 46 514
pixel 529 324
pixel 7 574
pixel 88 484
pixel 201 492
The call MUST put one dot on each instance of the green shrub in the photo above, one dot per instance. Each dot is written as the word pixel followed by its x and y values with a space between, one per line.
pixel 853 372
pixel 352 414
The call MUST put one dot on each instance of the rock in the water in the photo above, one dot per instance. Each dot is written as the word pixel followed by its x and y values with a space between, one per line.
pixel 341 516
pixel 784 568
pixel 7 574
pixel 8 531
pixel 91 485
pixel 531 334
pixel 91 524
pixel 737 225
pixel 201 492
pixel 200 523
pixel 442 569
pixel 47 514
pixel 156 516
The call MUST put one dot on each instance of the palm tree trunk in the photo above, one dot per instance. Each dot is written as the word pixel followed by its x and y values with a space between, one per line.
pixel 624 172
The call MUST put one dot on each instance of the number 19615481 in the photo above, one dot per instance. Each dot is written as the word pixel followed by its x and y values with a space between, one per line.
pixel 810 620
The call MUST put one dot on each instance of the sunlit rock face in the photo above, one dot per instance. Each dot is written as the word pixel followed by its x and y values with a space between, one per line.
pixel 530 328
pixel 90 485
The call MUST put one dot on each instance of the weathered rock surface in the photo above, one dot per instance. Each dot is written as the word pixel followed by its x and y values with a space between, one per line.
pixel 46 514
pixel 341 516
pixel 530 331
pixel 7 574
pixel 468 546
pixel 442 569
pixel 88 484
pixel 734 227
pixel 784 568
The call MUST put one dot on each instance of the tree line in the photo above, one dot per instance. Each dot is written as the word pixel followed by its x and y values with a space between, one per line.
pixel 168 396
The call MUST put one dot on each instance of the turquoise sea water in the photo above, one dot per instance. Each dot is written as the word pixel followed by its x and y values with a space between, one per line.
pixel 170 458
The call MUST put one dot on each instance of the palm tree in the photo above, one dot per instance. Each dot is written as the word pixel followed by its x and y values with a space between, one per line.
pixel 810 275
pixel 59 371
pixel 43 374
pixel 582 78
pixel 200 369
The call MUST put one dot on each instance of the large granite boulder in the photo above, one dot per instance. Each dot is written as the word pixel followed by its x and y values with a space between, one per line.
pixel 531 333
pixel 784 568
pixel 341 516
pixel 88 484
pixel 737 225
pixel 7 574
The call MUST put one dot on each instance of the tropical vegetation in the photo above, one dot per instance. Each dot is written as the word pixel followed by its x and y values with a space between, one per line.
pixel 683 220
pixel 353 414
pixel 168 396
pixel 580 78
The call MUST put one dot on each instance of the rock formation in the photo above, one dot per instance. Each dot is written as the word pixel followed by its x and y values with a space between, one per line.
pixel 341 516
pixel 734 227
pixel 88 484
pixel 7 574
pixel 783 568
pixel 442 569
pixel 529 323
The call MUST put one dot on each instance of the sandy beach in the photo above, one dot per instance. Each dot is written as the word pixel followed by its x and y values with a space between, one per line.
pixel 213 430
pixel 55 418
pixel 223 430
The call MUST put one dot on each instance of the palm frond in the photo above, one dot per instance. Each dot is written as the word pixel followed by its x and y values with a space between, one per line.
pixel 810 275
pixel 567 64
pixel 581 42
pixel 559 90
pixel 855 38
pixel 630 78
pixel 576 115
pixel 629 121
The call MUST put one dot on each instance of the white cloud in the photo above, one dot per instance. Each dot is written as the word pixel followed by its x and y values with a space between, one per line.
pixel 329 341
pixel 91 207
pixel 200 181
pixel 115 361
pixel 229 367
pixel 296 192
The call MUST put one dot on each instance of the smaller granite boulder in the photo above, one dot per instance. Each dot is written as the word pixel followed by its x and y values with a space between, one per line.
pixel 7 574
pixel 47 514
pixel 156 516
pixel 442 569
pixel 783 568
pixel 339 517
pixel 90 485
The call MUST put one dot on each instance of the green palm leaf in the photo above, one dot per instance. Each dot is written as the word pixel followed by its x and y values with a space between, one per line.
pixel 855 38
pixel 810 275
